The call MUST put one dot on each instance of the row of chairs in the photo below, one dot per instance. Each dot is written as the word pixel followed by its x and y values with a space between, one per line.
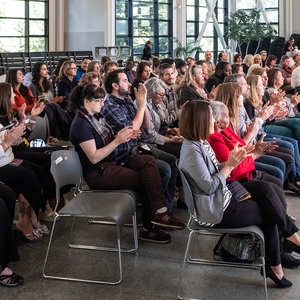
pixel 24 61
pixel 115 207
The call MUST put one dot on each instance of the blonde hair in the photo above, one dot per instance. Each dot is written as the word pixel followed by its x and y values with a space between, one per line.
pixel 249 60
pixel 254 98
pixel 228 93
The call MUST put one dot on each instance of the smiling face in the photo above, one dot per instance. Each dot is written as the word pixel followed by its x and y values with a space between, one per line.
pixel 84 64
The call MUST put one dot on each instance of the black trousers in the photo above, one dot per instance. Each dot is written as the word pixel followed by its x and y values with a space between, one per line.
pixel 264 209
pixel 8 249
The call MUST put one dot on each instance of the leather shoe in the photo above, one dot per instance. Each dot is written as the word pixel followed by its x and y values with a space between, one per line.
pixel 281 283
pixel 289 261
pixel 289 247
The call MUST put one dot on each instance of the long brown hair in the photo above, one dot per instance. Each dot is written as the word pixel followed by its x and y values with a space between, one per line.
pixel 6 109
pixel 228 93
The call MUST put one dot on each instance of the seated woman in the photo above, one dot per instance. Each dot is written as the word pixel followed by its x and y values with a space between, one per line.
pixel 8 250
pixel 142 74
pixel 192 86
pixel 231 95
pixel 25 179
pixel 284 121
pixel 159 134
pixel 36 155
pixel 23 94
pixel 254 103
pixel 90 77
pixel 214 205
pixel 41 87
pixel 95 143
pixel 67 81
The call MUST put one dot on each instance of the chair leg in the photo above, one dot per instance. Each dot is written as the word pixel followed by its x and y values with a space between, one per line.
pixel 186 255
pixel 78 279
pixel 90 247
pixel 264 276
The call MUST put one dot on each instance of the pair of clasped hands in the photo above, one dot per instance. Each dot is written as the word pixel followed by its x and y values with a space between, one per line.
pixel 239 153
pixel 13 136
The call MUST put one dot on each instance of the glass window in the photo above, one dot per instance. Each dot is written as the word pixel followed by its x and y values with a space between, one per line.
pixel 24 26
pixel 147 20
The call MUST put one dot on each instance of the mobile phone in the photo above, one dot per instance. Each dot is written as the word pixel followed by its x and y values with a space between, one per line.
pixel 41 98
pixel 8 126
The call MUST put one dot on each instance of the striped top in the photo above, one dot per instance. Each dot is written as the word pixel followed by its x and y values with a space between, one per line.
pixel 226 192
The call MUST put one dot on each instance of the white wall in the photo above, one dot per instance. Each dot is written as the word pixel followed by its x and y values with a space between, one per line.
pixel 84 25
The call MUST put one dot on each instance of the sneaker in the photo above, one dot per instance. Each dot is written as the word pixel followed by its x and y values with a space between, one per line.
pixel 289 261
pixel 167 220
pixel 154 235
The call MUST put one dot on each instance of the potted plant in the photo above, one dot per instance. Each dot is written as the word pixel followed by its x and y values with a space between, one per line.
pixel 183 52
pixel 244 27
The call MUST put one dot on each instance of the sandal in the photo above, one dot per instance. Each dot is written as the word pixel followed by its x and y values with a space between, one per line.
pixel 34 233
pixel 44 230
pixel 11 280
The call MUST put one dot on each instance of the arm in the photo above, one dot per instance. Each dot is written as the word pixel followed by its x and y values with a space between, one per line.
pixel 95 155
pixel 142 118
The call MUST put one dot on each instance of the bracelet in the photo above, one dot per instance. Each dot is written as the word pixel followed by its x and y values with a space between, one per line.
pixel 32 121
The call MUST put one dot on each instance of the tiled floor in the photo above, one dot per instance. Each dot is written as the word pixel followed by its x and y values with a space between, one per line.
pixel 152 273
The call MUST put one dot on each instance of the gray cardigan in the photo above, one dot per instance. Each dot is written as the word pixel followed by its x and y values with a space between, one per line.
pixel 205 181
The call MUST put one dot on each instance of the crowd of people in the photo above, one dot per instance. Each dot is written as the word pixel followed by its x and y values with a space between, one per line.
pixel 223 122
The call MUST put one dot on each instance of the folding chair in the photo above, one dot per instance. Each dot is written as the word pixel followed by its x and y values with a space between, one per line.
pixel 113 206
pixel 196 229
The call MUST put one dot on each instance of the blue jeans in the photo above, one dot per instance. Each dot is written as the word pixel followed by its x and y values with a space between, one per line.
pixel 271 165
pixel 292 145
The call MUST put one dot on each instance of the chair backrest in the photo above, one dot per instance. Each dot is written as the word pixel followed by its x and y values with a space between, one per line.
pixel 65 168
pixel 188 195
pixel 40 130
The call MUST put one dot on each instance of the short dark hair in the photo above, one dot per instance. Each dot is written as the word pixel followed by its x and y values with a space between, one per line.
pixel 195 120
pixel 236 56
pixel 112 77
pixel 164 66
pixel 221 65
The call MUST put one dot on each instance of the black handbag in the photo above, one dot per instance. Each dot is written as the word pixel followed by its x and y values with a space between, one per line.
pixel 232 247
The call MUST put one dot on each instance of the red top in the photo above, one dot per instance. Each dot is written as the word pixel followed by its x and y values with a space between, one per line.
pixel 222 143
pixel 20 99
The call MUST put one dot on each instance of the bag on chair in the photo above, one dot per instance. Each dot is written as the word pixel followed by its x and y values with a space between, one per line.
pixel 244 248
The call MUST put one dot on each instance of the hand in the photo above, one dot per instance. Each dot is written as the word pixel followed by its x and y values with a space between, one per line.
pixel 21 113
pixel 236 156
pixel 212 94
pixel 276 97
pixel 176 139
pixel 251 129
pixel 265 112
pixel 295 99
pixel 58 99
pixel 174 131
pixel 141 96
pixel 13 135
pixel 124 135
pixel 38 107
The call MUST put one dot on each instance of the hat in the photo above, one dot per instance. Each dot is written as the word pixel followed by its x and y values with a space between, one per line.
pixel 180 63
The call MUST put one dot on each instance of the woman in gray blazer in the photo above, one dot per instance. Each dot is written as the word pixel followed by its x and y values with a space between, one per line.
pixel 214 205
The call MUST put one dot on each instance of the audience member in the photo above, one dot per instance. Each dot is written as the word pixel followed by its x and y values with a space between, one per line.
pixel 128 70
pixel 270 62
pixel 210 64
pixel 155 67
pixel 181 67
pixel 83 67
pixel 222 70
pixel 222 57
pixel 141 75
pixel 263 55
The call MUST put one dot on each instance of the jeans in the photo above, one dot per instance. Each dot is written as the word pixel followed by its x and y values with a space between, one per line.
pixel 271 165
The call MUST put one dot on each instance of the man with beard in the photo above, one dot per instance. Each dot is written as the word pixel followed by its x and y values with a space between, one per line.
pixel 211 66
pixel 120 111
pixel 223 69
pixel 166 74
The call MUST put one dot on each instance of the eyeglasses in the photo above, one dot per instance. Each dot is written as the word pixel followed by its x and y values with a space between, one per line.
pixel 100 100
pixel 160 95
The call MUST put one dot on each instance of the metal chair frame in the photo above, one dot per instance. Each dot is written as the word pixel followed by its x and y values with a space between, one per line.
pixel 90 205
pixel 196 229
